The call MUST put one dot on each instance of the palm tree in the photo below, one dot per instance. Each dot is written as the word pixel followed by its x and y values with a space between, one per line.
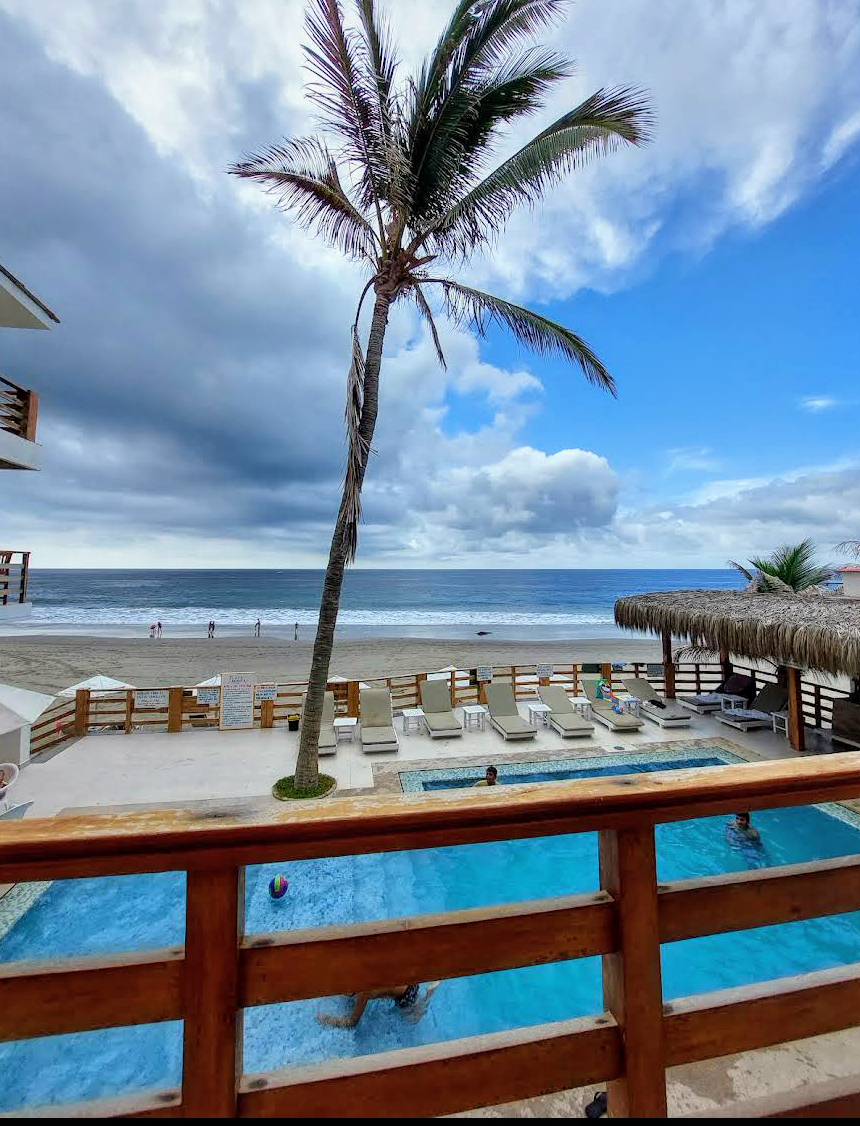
pixel 405 188
pixel 850 547
pixel 788 570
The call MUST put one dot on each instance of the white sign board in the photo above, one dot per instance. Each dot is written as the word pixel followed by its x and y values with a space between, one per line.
pixel 151 698
pixel 208 697
pixel 484 673
pixel 266 692
pixel 545 672
pixel 237 701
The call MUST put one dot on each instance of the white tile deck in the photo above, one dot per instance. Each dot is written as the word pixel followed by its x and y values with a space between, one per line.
pixel 143 767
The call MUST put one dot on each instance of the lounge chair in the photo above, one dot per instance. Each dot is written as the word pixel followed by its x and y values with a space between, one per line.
pixel 563 718
pixel 8 777
pixel 328 739
pixel 436 701
pixel 666 713
pixel 704 702
pixel 772 698
pixel 504 715
pixel 377 722
pixel 603 711
pixel 846 723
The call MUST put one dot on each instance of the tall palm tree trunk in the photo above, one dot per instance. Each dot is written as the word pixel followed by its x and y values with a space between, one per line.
pixel 307 765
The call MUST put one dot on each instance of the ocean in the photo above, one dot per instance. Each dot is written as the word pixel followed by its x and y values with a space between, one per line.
pixel 509 604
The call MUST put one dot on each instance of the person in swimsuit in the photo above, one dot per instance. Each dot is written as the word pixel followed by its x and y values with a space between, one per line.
pixel 405 998
pixel 491 778
pixel 740 831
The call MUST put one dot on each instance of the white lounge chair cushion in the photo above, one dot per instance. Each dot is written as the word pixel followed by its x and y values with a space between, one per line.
pixel 746 715
pixel 372 736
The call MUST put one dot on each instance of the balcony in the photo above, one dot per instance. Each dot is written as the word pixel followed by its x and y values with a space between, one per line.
pixel 19 410
pixel 14 573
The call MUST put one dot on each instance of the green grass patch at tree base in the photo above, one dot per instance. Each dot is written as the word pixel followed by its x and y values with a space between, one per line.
pixel 285 790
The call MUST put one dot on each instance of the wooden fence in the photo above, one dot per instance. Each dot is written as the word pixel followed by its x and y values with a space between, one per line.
pixel 628 1046
pixel 103 712
pixel 14 576
pixel 18 410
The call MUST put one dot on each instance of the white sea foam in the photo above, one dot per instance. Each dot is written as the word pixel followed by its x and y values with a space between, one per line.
pixel 239 616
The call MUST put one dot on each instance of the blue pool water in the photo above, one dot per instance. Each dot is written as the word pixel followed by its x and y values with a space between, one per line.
pixel 109 915
pixel 603 769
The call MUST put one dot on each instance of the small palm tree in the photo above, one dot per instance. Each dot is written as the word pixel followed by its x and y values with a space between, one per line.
pixel 849 547
pixel 787 570
pixel 405 188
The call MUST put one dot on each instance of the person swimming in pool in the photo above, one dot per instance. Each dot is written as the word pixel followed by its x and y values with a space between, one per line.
pixel 405 997
pixel 741 832
pixel 491 778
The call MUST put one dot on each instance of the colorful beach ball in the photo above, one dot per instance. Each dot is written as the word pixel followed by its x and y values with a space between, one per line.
pixel 278 887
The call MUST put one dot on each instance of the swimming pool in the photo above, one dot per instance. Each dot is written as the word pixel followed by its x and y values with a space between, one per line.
pixel 132 912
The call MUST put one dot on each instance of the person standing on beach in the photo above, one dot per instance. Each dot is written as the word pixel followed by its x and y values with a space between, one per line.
pixel 158 629
pixel 296 632
pixel 257 628
pixel 152 630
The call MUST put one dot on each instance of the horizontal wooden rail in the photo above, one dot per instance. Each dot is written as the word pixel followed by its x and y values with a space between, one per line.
pixel 82 994
pixel 442 1078
pixel 326 962
pixel 175 840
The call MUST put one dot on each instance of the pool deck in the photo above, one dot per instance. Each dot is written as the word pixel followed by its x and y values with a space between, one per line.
pixel 112 770
pixel 117 769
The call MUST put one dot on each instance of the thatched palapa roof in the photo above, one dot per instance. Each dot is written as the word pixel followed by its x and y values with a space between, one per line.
pixel 816 632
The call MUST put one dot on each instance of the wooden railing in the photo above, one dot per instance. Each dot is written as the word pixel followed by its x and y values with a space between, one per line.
pixel 19 410
pixel 14 576
pixel 220 971
pixel 117 711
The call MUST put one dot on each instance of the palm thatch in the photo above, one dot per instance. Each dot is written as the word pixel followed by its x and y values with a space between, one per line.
pixel 821 633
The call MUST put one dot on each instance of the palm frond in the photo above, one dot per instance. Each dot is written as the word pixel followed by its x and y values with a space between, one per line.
pixel 540 335
pixel 849 547
pixel 599 125
pixel 303 175
pixel 343 90
pixel 479 36
pixel 794 565
pixel 427 314
pixel 746 574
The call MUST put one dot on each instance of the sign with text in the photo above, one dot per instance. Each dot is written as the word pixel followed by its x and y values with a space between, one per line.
pixel 237 701
pixel 545 672
pixel 151 698
pixel 266 692
pixel 484 673
pixel 208 697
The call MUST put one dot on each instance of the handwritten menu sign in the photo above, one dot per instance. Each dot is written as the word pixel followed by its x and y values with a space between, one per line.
pixel 208 697
pixel 484 673
pixel 266 692
pixel 151 698
pixel 545 672
pixel 237 701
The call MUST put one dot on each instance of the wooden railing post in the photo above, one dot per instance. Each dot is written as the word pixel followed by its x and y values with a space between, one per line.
pixel 725 664
pixel 267 713
pixel 796 732
pixel 352 698
pixel 632 985
pixel 453 685
pixel 25 575
pixel 669 669
pixel 606 671
pixel 129 710
pixel 174 710
pixel 82 711
pixel 31 415
pixel 212 1046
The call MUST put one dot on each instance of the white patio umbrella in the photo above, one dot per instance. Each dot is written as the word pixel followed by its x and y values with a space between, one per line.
pixel 98 685
pixel 20 706
pixel 212 682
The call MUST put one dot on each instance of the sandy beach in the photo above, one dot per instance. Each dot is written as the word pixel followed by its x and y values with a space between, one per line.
pixel 51 663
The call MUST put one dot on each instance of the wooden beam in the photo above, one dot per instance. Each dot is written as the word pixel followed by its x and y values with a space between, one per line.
pixel 711 1025
pixel 796 732
pixel 212 1044
pixel 82 711
pixel 267 713
pixel 142 1104
pixel 334 960
pixel 759 898
pixel 445 1078
pixel 352 698
pixel 174 710
pixel 668 668
pixel 51 998
pixel 726 667
pixel 632 988
pixel 178 839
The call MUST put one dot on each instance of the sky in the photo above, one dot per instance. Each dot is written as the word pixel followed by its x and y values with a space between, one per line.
pixel 192 397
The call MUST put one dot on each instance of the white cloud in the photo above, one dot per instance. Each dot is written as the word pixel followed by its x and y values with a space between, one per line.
pixel 691 457
pixel 817 404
